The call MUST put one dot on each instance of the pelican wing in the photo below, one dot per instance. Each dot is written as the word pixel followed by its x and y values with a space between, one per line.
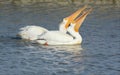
pixel 31 32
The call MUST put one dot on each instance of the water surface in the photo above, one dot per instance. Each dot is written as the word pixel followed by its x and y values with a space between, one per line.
pixel 99 53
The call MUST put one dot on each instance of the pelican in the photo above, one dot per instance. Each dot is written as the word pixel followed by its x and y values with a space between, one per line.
pixel 59 38
pixel 32 32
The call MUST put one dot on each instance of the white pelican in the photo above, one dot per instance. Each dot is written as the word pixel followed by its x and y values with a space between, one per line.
pixel 32 32
pixel 59 38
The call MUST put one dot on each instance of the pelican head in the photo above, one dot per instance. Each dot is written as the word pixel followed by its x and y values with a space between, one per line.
pixel 66 21
pixel 74 27
pixel 78 22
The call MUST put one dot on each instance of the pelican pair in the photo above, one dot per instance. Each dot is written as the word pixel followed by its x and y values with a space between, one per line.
pixel 70 24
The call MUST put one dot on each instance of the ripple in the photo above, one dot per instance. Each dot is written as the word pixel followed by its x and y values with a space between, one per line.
pixel 99 53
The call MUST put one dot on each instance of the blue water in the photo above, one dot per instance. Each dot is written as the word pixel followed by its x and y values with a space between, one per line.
pixel 99 53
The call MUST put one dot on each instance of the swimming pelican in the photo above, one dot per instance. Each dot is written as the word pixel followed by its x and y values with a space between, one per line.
pixel 32 32
pixel 59 38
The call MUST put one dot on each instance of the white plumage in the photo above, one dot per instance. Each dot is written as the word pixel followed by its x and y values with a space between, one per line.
pixel 69 24
pixel 59 38
pixel 31 32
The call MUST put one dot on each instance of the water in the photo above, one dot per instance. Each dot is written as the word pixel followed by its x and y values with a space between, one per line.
pixel 99 53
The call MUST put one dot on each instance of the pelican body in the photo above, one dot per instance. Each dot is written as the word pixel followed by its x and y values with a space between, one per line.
pixel 68 33
pixel 33 32
pixel 59 38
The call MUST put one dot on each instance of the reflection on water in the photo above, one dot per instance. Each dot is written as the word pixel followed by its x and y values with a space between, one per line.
pixel 98 55
pixel 73 48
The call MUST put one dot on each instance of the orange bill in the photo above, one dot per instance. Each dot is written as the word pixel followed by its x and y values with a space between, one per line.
pixel 73 16
pixel 78 22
